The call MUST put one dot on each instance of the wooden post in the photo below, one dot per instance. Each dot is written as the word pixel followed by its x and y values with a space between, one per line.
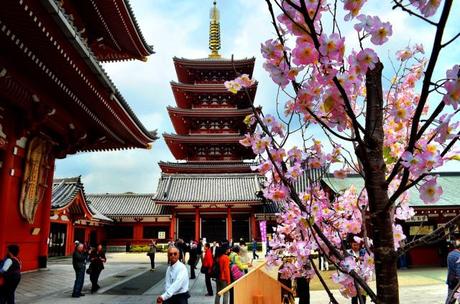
pixel 172 225
pixel 197 223
pixel 229 223
pixel 253 221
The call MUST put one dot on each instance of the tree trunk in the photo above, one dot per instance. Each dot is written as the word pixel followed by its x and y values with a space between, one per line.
pixel 371 156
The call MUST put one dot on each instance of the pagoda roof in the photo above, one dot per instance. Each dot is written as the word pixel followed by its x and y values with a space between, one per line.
pixel 181 118
pixel 181 145
pixel 184 93
pixel 218 62
pixel 205 87
pixel 218 189
pixel 207 167
pixel 82 110
pixel 212 69
pixel 127 204
pixel 209 112
pixel 110 28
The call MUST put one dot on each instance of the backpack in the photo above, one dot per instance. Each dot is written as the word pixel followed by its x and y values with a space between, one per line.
pixel 235 271
pixel 215 270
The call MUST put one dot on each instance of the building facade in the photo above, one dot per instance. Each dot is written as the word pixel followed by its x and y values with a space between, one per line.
pixel 56 100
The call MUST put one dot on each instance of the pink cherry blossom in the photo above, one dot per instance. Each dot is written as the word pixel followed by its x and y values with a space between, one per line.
pixel 245 81
pixel 232 86
pixel 367 58
pixel 404 54
pixel 430 191
pixel 452 87
pixel 353 6
pixel 398 235
pixel 305 53
pixel 380 32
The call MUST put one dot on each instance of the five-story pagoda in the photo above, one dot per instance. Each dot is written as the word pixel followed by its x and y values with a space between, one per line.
pixel 211 188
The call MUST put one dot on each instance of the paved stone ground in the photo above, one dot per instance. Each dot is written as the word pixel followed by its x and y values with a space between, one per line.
pixel 54 285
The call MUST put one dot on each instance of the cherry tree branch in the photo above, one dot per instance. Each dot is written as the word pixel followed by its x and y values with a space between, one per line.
pixel 437 45
pixel 436 235
pixel 326 288
pixel 398 4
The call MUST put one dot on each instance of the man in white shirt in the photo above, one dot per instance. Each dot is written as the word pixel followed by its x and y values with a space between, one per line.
pixel 176 281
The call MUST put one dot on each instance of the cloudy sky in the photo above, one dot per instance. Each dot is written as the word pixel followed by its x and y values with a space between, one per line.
pixel 180 28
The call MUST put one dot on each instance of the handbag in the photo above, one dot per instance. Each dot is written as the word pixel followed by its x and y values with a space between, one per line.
pixel 89 270
pixel 204 269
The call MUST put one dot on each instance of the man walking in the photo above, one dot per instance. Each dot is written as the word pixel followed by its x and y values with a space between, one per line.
pixel 79 265
pixel 254 249
pixel 176 281
pixel 151 254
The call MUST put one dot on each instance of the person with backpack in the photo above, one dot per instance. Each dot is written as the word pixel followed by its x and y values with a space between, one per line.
pixel 453 270
pixel 208 263
pixel 10 274
pixel 223 273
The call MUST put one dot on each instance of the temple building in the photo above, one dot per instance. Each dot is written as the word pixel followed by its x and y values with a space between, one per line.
pixel 73 218
pixel 211 189
pixel 428 217
pixel 56 100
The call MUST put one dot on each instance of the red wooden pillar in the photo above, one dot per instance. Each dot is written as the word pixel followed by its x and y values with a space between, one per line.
pixel 46 211
pixel 7 189
pixel 70 239
pixel 197 223
pixel 138 232
pixel 229 223
pixel 253 221
pixel 172 225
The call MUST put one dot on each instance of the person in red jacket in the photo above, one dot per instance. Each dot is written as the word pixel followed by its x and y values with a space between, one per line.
pixel 224 273
pixel 207 264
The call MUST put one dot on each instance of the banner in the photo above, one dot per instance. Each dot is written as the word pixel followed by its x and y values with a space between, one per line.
pixel 263 230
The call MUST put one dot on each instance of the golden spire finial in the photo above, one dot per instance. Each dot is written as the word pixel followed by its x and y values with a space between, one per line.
pixel 214 32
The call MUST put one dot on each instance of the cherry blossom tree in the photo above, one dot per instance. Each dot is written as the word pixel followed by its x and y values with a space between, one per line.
pixel 395 132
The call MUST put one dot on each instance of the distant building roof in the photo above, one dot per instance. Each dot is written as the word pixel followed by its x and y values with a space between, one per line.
pixel 449 181
pixel 208 188
pixel 65 190
pixel 126 204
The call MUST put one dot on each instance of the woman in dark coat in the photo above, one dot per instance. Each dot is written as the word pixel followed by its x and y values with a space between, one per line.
pixel 97 259
pixel 11 273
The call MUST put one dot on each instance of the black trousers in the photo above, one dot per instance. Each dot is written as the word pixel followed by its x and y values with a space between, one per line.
pixel 152 260
pixel 94 277
pixel 192 271
pixel 7 291
pixel 207 279
pixel 254 255
pixel 355 300
pixel 303 290
pixel 181 298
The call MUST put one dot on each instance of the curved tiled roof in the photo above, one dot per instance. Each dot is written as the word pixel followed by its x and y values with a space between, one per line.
pixel 126 204
pixel 65 190
pixel 209 188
